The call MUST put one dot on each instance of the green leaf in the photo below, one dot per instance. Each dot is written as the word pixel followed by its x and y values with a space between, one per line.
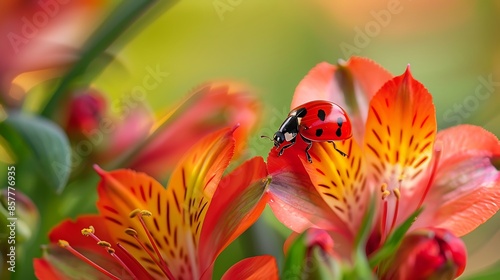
pixel 322 266
pixel 294 261
pixel 43 143
pixel 393 241
pixel 366 226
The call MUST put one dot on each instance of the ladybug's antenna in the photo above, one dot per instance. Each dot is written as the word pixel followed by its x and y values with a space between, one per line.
pixel 264 136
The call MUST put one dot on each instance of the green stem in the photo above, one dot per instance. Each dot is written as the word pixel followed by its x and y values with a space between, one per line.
pixel 119 20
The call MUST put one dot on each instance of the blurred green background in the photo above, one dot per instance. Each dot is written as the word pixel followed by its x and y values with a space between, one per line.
pixel 453 47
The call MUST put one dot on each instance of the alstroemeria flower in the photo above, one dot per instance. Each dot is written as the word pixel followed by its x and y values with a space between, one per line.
pixel 137 142
pixel 397 155
pixel 149 232
pixel 210 107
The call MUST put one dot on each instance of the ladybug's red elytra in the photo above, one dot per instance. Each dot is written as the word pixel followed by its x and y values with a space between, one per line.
pixel 315 121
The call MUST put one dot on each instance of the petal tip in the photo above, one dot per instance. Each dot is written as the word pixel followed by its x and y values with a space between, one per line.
pixel 407 76
pixel 99 170
pixel 231 131
pixel 408 70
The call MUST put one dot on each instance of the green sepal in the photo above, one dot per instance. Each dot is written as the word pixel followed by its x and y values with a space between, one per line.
pixel 393 241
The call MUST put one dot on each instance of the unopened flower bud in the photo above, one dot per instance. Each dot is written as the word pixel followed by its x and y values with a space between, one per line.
pixel 84 111
pixel 430 253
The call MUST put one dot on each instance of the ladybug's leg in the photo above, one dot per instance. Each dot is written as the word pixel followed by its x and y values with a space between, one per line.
pixel 340 152
pixel 286 146
pixel 309 145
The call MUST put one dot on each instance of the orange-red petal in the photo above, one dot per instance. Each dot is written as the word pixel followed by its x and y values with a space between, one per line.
pixel 210 108
pixel 45 271
pixel 255 268
pixel 122 191
pixel 369 75
pixel 196 178
pixel 399 140
pixel 236 205
pixel 71 231
pixel 322 82
pixel 401 128
pixel 466 190
pixel 318 84
pixel 33 50
pixel 121 136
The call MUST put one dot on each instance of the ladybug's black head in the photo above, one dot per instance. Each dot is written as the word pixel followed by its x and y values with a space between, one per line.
pixel 278 138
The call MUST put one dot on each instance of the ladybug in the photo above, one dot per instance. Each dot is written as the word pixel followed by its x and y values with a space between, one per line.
pixel 315 121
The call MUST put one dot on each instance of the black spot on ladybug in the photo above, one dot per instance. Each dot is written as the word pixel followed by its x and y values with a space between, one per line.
pixel 319 131
pixel 321 114
pixel 338 132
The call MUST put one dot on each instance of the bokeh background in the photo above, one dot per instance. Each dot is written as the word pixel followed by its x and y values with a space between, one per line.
pixel 453 48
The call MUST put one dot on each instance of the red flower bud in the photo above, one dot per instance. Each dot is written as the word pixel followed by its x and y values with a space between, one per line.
pixel 431 253
pixel 84 111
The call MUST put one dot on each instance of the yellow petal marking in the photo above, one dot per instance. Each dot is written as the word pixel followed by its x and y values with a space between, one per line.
pixel 341 181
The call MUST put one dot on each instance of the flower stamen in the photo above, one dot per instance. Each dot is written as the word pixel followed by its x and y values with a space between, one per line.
pixel 162 264
pixel 65 244
pixel 385 193
pixel 139 216
pixel 397 194
pixel 90 231
pixel 111 251
pixel 435 161
pixel 132 232
pixel 384 220
pixel 131 258
pixel 104 244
